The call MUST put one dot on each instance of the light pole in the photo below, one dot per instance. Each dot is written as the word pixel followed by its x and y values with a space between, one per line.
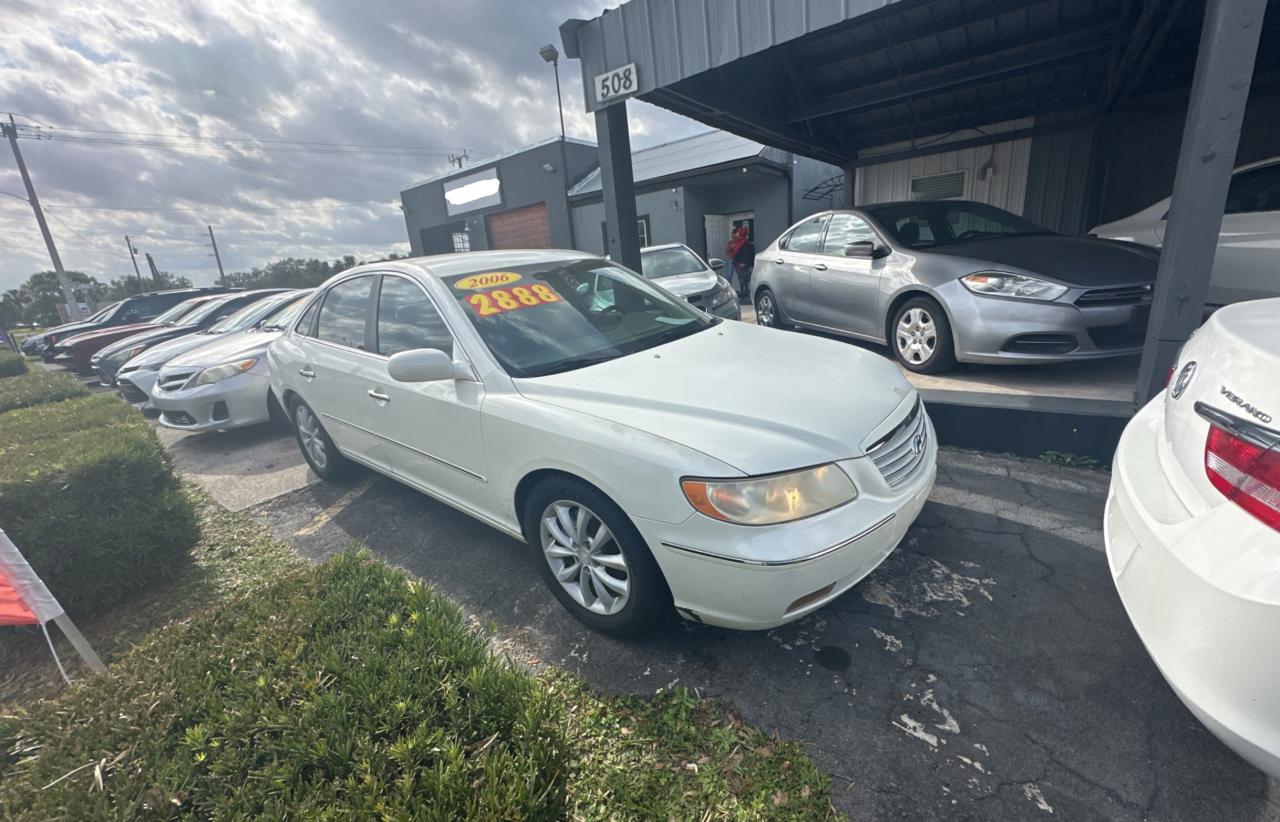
pixel 551 55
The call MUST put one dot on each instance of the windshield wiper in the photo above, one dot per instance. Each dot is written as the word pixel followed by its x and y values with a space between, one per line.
pixel 572 364
pixel 676 332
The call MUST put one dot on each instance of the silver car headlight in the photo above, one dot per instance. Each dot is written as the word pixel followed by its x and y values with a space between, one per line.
pixel 218 373
pixel 1005 284
pixel 773 499
pixel 724 295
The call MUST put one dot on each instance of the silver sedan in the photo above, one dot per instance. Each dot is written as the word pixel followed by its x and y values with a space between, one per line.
pixel 948 280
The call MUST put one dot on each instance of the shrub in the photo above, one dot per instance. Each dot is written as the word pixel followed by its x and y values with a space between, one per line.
pixel 38 387
pixel 11 364
pixel 343 691
pixel 90 499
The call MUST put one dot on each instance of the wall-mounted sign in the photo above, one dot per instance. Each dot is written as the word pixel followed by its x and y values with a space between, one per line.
pixel 616 84
pixel 475 191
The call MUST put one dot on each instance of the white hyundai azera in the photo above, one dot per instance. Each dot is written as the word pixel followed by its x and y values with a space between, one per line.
pixel 651 455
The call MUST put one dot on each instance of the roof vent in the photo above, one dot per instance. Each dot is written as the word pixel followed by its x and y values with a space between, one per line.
pixel 947 186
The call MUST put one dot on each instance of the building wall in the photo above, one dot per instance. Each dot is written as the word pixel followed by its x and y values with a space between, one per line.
pixel 805 174
pixel 524 183
pixel 1004 187
pixel 664 208
pixel 1058 179
pixel 766 195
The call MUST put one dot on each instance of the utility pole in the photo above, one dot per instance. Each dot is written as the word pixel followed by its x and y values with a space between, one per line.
pixel 133 255
pixel 73 305
pixel 222 276
pixel 155 272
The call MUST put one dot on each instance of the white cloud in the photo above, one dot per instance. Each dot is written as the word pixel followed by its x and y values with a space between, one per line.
pixel 443 75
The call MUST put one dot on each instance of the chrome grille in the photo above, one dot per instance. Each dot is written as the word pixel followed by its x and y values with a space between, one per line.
pixel 900 453
pixel 172 381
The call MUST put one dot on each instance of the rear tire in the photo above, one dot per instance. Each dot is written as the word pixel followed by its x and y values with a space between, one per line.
pixel 920 337
pixel 593 559
pixel 768 311
pixel 316 446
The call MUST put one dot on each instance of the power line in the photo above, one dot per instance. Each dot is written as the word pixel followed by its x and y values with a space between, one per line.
pixel 103 249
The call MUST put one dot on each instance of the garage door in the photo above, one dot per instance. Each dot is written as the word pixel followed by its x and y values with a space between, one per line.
pixel 520 228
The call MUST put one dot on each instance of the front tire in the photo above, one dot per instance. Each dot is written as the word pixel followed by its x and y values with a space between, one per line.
pixel 920 337
pixel 593 559
pixel 768 313
pixel 316 446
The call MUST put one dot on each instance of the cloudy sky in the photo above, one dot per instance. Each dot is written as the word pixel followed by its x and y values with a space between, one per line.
pixel 290 126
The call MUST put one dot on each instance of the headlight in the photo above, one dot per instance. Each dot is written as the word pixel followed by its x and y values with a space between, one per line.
pixel 225 371
pixel 1004 284
pixel 770 500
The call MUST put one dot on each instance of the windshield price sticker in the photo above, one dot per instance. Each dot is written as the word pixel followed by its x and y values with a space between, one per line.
pixel 620 82
pixel 501 300
pixel 487 280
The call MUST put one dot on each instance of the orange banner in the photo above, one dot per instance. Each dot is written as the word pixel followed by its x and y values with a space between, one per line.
pixel 13 611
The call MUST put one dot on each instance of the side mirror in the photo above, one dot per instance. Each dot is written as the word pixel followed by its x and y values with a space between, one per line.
pixel 716 264
pixel 421 365
pixel 863 250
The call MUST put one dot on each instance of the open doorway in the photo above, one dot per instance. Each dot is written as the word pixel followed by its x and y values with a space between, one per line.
pixel 732 237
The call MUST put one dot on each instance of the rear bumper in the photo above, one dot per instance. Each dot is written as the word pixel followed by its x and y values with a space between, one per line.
pixel 232 403
pixel 1212 639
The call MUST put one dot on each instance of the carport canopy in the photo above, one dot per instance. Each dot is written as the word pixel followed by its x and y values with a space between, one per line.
pixel 828 78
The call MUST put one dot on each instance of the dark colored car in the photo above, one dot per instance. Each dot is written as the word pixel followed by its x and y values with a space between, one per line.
pixel 108 359
pixel 77 350
pixel 139 308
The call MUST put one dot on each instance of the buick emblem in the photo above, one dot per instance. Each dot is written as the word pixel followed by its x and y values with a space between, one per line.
pixel 1185 376
pixel 917 444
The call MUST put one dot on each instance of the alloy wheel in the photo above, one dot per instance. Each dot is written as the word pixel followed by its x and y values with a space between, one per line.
pixel 311 436
pixel 917 336
pixel 585 557
pixel 765 309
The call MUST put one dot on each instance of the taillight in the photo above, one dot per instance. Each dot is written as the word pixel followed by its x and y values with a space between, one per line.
pixel 1246 473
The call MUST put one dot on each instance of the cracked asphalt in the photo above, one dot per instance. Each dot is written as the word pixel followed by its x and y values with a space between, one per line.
pixel 986 671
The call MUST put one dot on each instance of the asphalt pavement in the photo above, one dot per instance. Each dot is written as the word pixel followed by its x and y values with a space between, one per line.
pixel 986 671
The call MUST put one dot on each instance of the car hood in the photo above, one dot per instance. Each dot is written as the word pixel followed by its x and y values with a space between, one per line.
pixel 685 285
pixel 70 330
pixel 238 345
pixel 1079 261
pixel 159 354
pixel 115 331
pixel 149 337
pixel 736 393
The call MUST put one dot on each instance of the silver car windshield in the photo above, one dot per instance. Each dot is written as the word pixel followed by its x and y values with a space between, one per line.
pixel 549 318
pixel 250 315
pixel 930 224
pixel 669 262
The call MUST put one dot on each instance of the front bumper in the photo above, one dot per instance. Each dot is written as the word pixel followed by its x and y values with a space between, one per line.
pixel 233 403
pixel 1200 589
pixel 755 578
pixel 135 386
pixel 996 330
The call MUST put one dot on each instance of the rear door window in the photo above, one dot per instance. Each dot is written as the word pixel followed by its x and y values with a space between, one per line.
pixel 344 313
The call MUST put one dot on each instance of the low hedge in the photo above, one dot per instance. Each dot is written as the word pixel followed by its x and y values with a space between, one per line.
pixel 11 364
pixel 38 387
pixel 341 692
pixel 89 497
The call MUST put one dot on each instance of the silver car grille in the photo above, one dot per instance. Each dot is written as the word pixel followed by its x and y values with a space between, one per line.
pixel 173 380
pixel 1118 295
pixel 900 453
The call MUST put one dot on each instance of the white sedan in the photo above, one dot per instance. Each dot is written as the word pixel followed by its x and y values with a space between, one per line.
pixel 651 455
pixel 1193 528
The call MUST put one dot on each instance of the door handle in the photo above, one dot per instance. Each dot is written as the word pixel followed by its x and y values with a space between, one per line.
pixel 307 372
pixel 779 260
pixel 819 266
pixel 378 396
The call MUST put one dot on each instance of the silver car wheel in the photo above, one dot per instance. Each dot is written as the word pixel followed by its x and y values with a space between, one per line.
pixel 765 309
pixel 312 440
pixel 917 336
pixel 585 557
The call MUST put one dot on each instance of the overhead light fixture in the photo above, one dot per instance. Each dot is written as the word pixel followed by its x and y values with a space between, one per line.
pixel 547 167
pixel 549 53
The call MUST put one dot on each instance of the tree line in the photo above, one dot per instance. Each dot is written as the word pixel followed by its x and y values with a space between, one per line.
pixel 36 301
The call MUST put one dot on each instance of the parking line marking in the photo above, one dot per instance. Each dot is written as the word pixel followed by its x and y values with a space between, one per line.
pixel 324 517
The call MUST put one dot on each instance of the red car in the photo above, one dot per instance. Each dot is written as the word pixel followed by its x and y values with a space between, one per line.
pixel 76 351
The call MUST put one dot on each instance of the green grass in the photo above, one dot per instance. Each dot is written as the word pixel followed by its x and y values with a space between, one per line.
pixel 348 690
pixel 38 387
pixel 12 364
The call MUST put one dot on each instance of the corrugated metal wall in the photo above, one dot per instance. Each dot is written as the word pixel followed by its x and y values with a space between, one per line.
pixel 1005 187
pixel 1058 178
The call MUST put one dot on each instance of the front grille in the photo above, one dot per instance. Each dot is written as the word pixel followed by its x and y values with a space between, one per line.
pixel 1040 344
pixel 1119 295
pixel 900 453
pixel 700 300
pixel 131 392
pixel 179 418
pixel 1118 336
pixel 172 381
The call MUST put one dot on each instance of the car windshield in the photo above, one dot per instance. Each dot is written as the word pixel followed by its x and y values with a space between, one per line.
pixel 668 262
pixel 548 318
pixel 179 311
pixel 102 314
pixel 250 315
pixel 204 310
pixel 287 315
pixel 930 224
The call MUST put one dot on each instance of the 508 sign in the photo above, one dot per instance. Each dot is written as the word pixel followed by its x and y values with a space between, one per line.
pixel 617 83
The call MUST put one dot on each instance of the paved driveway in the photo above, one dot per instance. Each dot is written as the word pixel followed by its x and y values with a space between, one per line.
pixel 986 671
